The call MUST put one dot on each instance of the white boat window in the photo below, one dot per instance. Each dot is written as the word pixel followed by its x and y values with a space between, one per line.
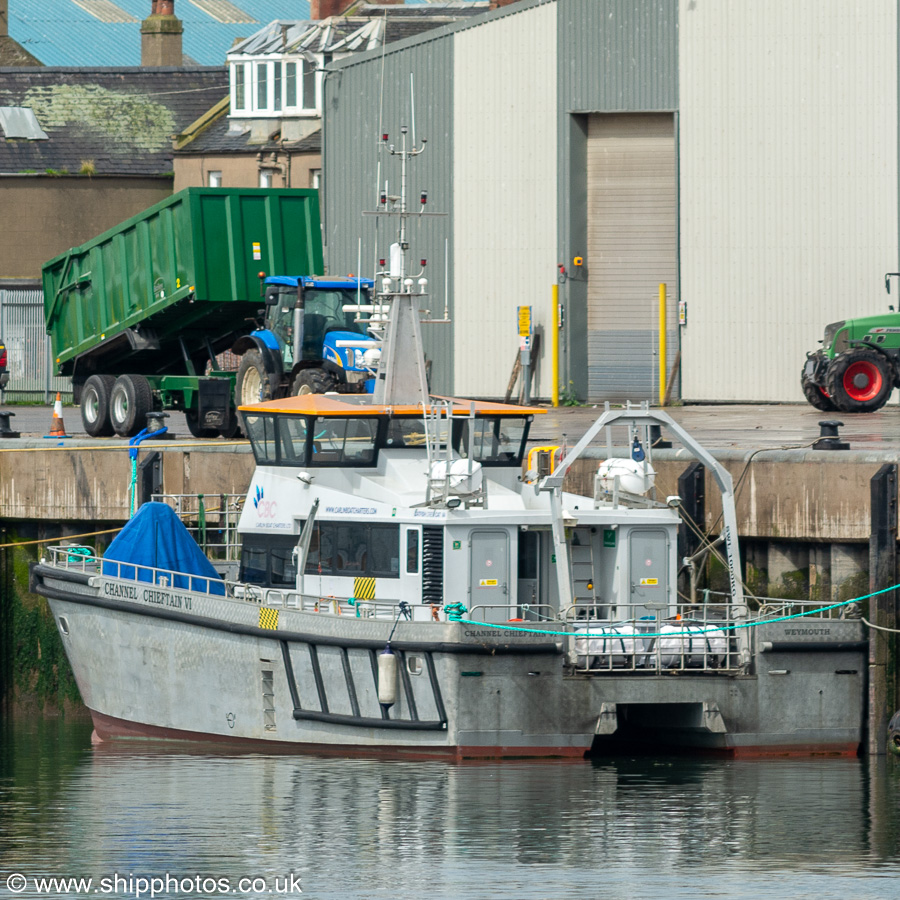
pixel 339 441
pixel 354 549
pixel 497 440
pixel 409 432
pixel 412 551
pixel 268 559
pixel 261 431
pixel 292 432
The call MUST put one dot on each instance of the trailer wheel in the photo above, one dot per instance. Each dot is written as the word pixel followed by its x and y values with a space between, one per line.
pixel 859 380
pixel 253 384
pixel 129 402
pixel 95 405
pixel 815 394
pixel 313 381
pixel 233 429
pixel 194 427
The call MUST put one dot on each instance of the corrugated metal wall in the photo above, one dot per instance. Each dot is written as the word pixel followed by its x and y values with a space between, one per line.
pixel 504 193
pixel 28 348
pixel 788 159
pixel 364 98
pixel 613 56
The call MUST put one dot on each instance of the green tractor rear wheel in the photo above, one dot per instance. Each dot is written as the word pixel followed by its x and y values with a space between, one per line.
pixel 859 380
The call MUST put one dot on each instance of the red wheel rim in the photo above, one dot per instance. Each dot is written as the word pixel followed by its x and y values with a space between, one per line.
pixel 863 371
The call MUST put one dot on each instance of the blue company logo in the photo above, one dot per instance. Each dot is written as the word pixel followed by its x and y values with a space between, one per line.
pixel 258 496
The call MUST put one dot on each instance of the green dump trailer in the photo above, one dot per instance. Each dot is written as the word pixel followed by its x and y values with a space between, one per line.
pixel 138 315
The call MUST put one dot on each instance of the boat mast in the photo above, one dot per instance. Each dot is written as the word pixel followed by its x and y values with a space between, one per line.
pixel 400 377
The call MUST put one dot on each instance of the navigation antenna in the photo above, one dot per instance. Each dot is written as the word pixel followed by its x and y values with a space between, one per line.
pixel 394 315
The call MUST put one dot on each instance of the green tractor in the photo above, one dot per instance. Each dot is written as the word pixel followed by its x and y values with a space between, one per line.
pixel 858 365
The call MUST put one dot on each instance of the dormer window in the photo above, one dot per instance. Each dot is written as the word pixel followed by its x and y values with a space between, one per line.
pixel 272 87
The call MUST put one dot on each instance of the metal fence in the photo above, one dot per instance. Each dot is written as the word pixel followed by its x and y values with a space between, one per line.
pixel 28 348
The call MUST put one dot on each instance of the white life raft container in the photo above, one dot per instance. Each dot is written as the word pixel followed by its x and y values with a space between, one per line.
pixel 690 646
pixel 607 646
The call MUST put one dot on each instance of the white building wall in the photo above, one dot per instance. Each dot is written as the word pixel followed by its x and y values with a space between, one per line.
pixel 504 193
pixel 788 183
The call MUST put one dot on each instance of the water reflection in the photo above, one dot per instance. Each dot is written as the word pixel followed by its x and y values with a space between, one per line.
pixel 675 827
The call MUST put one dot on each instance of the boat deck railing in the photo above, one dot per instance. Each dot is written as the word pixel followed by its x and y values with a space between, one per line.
pixel 692 642
pixel 696 638
pixel 211 519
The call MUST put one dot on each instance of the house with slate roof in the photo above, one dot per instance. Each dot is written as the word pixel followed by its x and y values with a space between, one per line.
pixel 269 132
pixel 83 149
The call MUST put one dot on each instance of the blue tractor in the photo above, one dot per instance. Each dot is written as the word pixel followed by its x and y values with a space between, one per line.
pixel 298 348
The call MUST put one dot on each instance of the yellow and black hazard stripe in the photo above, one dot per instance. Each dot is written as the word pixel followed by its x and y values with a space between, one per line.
pixel 364 588
pixel 268 618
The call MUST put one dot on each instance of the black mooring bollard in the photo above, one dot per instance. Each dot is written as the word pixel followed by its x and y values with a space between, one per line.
pixel 5 428
pixel 829 439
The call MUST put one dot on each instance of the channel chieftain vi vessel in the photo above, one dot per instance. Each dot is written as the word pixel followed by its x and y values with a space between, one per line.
pixel 404 588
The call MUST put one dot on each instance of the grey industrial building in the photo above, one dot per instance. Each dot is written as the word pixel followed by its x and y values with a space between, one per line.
pixel 744 154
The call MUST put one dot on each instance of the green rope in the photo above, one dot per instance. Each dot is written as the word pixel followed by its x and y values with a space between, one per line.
pixel 455 612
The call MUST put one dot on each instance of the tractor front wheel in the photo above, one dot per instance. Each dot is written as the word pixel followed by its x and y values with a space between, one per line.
pixel 312 381
pixel 859 380
pixel 815 394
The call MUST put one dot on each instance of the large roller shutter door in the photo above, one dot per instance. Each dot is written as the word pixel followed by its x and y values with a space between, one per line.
pixel 632 247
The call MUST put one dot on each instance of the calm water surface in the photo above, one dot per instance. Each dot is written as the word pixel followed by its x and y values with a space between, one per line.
pixel 621 828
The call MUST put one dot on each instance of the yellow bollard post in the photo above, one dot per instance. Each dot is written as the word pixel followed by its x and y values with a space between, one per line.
pixel 554 353
pixel 662 344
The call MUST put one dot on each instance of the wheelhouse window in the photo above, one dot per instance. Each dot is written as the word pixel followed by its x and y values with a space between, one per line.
pixel 269 560
pixel 495 440
pixel 261 431
pixel 343 441
pixel 409 431
pixel 354 549
pixel 301 441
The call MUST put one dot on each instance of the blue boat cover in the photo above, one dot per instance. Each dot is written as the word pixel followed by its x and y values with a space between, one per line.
pixel 156 539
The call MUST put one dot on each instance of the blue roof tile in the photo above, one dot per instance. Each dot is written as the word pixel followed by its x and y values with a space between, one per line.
pixel 61 33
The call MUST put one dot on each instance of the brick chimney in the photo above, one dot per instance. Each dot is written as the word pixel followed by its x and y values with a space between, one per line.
pixel 322 9
pixel 161 36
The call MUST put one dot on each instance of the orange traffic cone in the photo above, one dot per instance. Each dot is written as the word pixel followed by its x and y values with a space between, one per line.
pixel 57 427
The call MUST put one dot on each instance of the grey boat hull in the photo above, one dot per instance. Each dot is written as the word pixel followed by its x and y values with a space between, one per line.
pixel 169 664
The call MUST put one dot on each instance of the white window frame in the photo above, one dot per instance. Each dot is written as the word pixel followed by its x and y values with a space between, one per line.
pixel 303 67
pixel 252 67
pixel 214 178
pixel 266 178
pixel 235 68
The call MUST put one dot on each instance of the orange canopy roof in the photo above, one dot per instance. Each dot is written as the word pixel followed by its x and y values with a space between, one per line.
pixel 360 405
